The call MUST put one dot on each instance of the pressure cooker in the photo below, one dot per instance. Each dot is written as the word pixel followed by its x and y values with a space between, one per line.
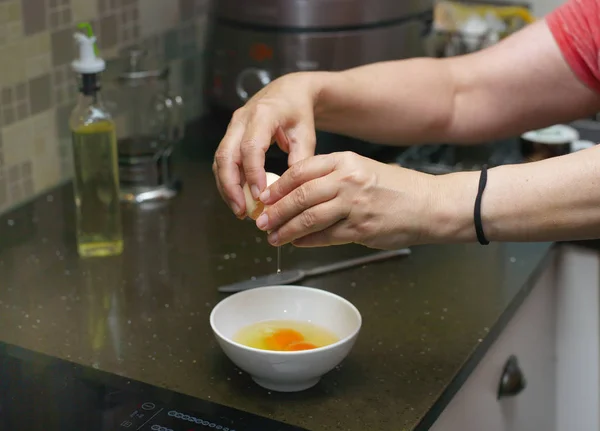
pixel 255 41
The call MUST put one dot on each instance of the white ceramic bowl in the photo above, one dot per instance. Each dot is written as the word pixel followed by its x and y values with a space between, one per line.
pixel 286 371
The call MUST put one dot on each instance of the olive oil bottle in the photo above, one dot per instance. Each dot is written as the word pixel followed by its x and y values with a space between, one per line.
pixel 96 175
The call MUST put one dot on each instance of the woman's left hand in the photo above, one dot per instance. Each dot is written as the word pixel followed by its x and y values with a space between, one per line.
pixel 344 198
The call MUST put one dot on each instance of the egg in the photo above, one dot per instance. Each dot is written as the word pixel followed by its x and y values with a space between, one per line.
pixel 255 208
pixel 285 336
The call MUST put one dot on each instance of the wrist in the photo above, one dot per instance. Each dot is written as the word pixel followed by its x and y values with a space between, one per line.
pixel 451 208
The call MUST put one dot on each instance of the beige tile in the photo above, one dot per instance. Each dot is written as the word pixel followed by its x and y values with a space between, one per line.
pixel 14 11
pixel 17 140
pixel 13 71
pixel 84 10
pixel 4 13
pixel 46 167
pixel 38 66
pixel 37 44
pixel 14 31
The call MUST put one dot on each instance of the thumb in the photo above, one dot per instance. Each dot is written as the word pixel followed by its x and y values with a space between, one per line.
pixel 302 141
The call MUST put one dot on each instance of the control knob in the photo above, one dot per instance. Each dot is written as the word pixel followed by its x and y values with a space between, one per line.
pixel 251 81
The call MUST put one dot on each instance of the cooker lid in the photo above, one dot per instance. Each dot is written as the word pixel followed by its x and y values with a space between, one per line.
pixel 320 14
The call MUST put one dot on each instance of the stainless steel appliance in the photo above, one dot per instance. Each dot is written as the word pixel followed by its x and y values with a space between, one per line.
pixel 256 41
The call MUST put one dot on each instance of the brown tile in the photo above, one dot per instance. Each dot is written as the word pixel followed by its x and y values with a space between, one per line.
pixel 28 188
pixel 58 96
pixel 108 32
pixel 3 194
pixel 22 111
pixel 62 121
pixel 21 92
pixel 7 96
pixel 14 174
pixel 62 46
pixel 34 16
pixel 66 17
pixel 16 194
pixel 113 4
pixel 53 3
pixel 54 20
pixel 59 76
pixel 26 169
pixel 102 6
pixel 1 159
pixel 8 116
pixel 65 2
pixel 39 94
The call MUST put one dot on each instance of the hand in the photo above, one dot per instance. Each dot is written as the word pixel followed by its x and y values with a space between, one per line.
pixel 283 111
pixel 345 198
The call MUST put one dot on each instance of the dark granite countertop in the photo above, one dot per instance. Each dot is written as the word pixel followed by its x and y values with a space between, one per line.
pixel 144 315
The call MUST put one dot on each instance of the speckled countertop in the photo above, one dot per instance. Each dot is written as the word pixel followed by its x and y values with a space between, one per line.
pixel 144 314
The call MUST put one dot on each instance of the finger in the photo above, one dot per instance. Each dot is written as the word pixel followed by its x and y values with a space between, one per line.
pixel 227 168
pixel 240 215
pixel 303 198
pixel 300 173
pixel 337 234
pixel 256 141
pixel 302 141
pixel 315 219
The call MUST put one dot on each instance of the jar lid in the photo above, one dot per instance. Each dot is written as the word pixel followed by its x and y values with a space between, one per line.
pixel 557 134
pixel 135 70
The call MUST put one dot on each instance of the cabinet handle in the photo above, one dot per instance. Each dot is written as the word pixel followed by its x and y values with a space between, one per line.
pixel 512 381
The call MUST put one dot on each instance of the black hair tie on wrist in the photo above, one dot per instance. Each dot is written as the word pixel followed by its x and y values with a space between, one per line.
pixel 477 212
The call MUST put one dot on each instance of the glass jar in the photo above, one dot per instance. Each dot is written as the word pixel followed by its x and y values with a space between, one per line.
pixel 153 125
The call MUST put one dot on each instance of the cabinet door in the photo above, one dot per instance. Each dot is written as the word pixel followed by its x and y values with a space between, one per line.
pixel 530 337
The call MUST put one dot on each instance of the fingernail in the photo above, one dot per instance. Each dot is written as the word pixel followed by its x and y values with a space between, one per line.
pixel 235 208
pixel 273 238
pixel 255 192
pixel 262 221
pixel 265 195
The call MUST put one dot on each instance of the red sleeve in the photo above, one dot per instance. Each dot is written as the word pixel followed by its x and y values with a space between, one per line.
pixel 576 28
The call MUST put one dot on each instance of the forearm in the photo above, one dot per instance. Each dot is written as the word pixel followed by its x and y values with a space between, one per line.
pixel 520 84
pixel 398 102
pixel 551 200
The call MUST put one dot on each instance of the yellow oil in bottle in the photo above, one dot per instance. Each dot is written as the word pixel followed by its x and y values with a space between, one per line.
pixel 96 184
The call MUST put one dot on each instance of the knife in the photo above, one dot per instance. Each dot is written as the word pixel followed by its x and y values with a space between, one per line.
pixel 295 275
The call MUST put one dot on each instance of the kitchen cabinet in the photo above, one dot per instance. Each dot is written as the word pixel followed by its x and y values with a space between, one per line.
pixel 548 355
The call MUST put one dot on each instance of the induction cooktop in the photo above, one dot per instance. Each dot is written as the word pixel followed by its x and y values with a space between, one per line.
pixel 41 393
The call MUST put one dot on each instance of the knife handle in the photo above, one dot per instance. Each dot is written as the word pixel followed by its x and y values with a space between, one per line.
pixel 358 261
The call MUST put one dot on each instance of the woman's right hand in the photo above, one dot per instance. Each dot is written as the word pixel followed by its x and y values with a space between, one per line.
pixel 283 112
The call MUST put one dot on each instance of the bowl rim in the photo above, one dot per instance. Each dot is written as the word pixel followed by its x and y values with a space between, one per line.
pixel 296 352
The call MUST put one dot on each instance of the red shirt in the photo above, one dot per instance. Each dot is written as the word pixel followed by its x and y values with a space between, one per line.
pixel 576 28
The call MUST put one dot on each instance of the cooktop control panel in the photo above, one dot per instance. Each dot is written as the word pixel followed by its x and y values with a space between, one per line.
pixel 154 416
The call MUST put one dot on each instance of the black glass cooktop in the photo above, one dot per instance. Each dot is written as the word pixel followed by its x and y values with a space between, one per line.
pixel 40 393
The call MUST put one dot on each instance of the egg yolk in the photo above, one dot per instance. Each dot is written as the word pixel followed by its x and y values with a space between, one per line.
pixel 300 346
pixel 288 340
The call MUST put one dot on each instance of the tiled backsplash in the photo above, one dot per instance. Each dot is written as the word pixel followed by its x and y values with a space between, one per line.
pixel 38 89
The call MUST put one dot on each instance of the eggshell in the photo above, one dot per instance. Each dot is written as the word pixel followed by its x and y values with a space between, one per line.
pixel 255 208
